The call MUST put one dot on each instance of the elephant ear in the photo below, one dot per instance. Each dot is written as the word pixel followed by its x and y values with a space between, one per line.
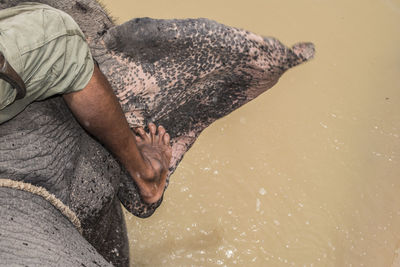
pixel 149 40
pixel 129 196
pixel 185 74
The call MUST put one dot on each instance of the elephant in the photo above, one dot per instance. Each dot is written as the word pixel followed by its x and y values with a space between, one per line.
pixel 182 74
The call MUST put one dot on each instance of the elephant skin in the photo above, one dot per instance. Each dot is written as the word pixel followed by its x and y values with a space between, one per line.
pixel 35 233
pixel 182 74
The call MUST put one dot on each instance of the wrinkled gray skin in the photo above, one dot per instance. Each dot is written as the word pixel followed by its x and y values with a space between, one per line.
pixel 182 74
pixel 33 233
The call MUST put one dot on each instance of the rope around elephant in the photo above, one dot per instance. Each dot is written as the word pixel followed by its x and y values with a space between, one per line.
pixel 52 199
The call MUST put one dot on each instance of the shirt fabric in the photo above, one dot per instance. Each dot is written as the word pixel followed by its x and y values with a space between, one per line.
pixel 46 47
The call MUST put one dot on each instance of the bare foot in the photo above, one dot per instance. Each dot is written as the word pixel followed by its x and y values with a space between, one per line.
pixel 156 152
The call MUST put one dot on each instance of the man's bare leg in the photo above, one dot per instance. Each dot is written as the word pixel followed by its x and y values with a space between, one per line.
pixel 145 157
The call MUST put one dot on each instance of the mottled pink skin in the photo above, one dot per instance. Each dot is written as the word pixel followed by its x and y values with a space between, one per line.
pixel 265 61
pixel 134 115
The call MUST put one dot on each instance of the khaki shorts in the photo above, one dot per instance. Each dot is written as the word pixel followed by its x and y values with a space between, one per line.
pixel 47 49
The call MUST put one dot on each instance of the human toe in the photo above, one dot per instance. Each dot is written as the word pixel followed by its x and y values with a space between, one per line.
pixel 161 133
pixel 153 129
pixel 166 139
pixel 141 132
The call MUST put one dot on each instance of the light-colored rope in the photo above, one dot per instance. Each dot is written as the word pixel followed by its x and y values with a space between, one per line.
pixel 52 199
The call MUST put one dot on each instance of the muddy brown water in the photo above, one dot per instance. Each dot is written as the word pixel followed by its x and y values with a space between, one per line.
pixel 308 174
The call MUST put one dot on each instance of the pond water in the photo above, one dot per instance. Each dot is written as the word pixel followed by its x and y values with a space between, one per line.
pixel 308 174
